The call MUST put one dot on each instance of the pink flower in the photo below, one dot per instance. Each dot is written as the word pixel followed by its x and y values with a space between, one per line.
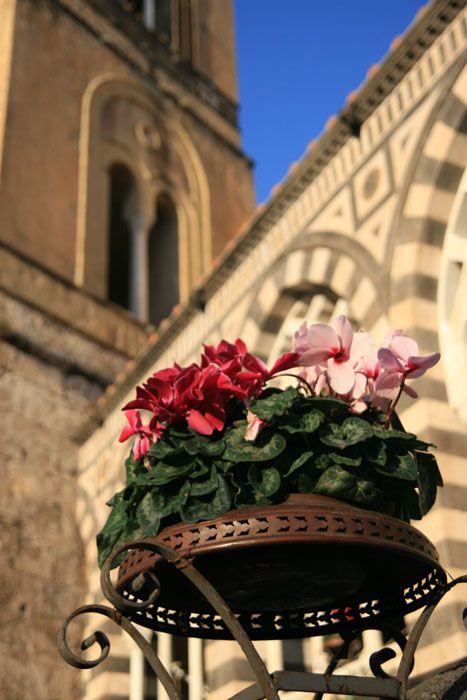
pixel 406 352
pixel 336 347
pixel 359 397
pixel 144 435
pixel 400 360
pixel 363 393
pixel 315 376
pixel 255 424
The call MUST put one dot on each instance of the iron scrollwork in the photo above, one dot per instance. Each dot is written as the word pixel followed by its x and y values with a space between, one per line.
pixel 125 611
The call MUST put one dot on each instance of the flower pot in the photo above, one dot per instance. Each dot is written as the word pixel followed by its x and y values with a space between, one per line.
pixel 311 565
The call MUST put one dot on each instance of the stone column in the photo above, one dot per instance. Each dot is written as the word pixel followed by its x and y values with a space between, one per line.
pixel 164 652
pixel 314 655
pixel 372 641
pixel 137 675
pixel 149 14
pixel 195 669
pixel 273 655
pixel 139 282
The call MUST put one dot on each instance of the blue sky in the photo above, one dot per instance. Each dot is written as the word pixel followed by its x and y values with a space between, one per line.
pixel 297 61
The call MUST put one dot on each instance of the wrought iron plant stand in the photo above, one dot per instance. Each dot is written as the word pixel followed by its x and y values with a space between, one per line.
pixel 307 567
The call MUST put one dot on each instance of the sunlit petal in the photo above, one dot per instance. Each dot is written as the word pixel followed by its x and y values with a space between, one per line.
pixel 341 376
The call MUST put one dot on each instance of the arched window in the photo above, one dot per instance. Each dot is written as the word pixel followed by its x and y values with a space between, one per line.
pixel 164 285
pixel 143 262
pixel 122 188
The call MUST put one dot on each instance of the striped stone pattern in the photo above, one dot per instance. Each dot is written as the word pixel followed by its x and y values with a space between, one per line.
pixel 413 304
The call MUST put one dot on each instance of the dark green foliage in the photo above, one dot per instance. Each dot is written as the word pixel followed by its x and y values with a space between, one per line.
pixel 429 478
pixel 307 445
pixel 274 403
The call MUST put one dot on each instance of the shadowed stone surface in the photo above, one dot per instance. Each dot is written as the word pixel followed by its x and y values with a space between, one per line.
pixel 450 684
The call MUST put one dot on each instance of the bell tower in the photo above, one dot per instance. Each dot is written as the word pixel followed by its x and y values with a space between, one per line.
pixel 121 179
pixel 121 164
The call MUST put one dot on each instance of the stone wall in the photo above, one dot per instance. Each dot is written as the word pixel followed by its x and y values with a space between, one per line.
pixel 59 348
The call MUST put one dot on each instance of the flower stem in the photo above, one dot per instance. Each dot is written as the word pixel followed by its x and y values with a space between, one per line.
pixel 392 407
pixel 298 378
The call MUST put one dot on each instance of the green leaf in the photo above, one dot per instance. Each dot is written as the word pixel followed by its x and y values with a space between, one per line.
pixel 143 479
pixel 133 468
pixel 116 520
pixel 147 516
pixel 299 462
pixel 356 430
pixel 131 532
pixel 375 451
pixel 365 493
pixel 167 502
pixel 323 461
pixel 204 446
pixel 400 439
pixel 266 447
pixel 292 425
pixel 199 469
pixel 200 488
pixel 160 449
pixel 326 405
pixel 339 483
pixel 165 473
pixel 345 459
pixel 351 432
pixel 332 434
pixel 243 491
pixel 224 465
pixel 176 458
pixel 409 505
pixel 116 498
pixel 336 482
pixel 195 510
pixel 113 528
pixel 396 423
pixel 311 421
pixel 429 478
pixel 178 433
pixel 210 506
pixel 390 434
pixel 400 467
pixel 307 483
pixel 274 405
pixel 265 480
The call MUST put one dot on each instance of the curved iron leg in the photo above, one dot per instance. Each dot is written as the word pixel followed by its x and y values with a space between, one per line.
pixel 210 594
pixel 408 655
pixel 103 641
pixel 238 633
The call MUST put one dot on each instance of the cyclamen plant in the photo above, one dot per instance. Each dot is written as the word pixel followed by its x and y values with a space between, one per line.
pixel 218 436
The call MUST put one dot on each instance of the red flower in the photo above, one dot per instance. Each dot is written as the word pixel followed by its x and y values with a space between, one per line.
pixel 145 434
pixel 201 394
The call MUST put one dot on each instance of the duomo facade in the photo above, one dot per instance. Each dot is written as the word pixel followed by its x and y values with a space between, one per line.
pixel 122 175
